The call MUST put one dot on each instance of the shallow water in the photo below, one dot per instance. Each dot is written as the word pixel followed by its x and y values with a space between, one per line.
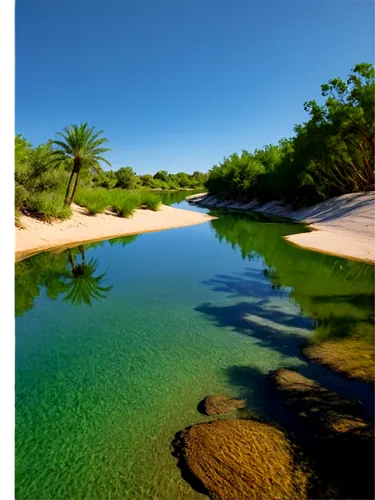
pixel 113 357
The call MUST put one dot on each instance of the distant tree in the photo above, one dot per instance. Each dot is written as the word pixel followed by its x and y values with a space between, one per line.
pixel 126 178
pixel 146 180
pixel 199 178
pixel 162 175
pixel 104 179
pixel 83 147
pixel 182 179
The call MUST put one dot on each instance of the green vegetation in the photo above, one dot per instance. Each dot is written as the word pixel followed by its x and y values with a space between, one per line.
pixel 126 178
pixel 151 201
pixel 97 200
pixel 39 188
pixel 125 205
pixel 49 177
pixel 331 154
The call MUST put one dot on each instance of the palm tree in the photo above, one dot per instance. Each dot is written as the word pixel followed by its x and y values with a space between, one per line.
pixel 84 147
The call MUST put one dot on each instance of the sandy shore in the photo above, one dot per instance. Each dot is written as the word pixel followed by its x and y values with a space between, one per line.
pixel 39 236
pixel 344 225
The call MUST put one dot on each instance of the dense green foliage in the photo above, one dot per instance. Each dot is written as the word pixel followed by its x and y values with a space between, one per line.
pixel 126 178
pixel 46 176
pixel 332 153
pixel 39 187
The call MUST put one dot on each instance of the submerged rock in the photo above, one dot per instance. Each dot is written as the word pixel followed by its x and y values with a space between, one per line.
pixel 240 459
pixel 350 357
pixel 325 411
pixel 335 434
pixel 219 404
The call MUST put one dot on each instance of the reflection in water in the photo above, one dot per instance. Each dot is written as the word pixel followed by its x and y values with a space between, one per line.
pixel 123 240
pixel 337 293
pixel 80 283
pixel 172 197
pixel 61 275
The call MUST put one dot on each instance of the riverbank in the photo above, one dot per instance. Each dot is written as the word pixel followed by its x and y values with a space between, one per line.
pixel 37 236
pixel 343 226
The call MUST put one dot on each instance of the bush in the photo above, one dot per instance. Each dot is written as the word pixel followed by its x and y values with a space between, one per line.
pixel 125 207
pixel 48 205
pixel 151 201
pixel 95 200
pixel 105 179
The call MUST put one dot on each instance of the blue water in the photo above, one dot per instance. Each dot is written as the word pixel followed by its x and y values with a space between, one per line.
pixel 109 369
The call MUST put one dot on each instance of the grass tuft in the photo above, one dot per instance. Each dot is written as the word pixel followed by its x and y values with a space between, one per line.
pixel 151 201
pixel 124 203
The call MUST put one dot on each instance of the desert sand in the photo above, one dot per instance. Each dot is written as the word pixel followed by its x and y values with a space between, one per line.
pixel 343 226
pixel 38 236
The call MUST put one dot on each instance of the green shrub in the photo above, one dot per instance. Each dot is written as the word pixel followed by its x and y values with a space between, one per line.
pixel 48 205
pixel 20 196
pixel 95 200
pixel 95 207
pixel 150 201
pixel 126 208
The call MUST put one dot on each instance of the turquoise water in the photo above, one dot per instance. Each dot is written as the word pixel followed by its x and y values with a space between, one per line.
pixel 113 356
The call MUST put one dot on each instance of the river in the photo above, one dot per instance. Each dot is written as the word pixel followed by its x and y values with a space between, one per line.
pixel 118 341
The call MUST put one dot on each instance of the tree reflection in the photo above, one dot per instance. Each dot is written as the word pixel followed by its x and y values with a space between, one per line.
pixel 81 284
pixel 65 275
pixel 337 293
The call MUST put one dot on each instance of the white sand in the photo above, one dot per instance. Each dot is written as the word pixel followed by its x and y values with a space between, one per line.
pixel 344 225
pixel 39 236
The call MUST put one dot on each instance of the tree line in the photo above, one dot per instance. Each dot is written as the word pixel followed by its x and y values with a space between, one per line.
pixel 126 178
pixel 332 153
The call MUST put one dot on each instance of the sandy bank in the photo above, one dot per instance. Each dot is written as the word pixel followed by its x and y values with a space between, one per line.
pixel 344 225
pixel 39 236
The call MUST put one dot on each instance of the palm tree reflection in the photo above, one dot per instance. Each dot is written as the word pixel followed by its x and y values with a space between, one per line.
pixel 80 283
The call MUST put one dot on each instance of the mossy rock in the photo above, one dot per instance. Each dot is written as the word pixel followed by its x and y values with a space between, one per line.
pixel 219 404
pixel 326 411
pixel 240 459
pixel 351 358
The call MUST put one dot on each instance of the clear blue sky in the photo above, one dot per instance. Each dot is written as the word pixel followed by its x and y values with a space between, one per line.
pixel 177 85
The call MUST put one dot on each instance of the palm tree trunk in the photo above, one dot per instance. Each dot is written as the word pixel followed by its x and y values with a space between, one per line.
pixel 66 201
pixel 74 187
pixel 76 169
